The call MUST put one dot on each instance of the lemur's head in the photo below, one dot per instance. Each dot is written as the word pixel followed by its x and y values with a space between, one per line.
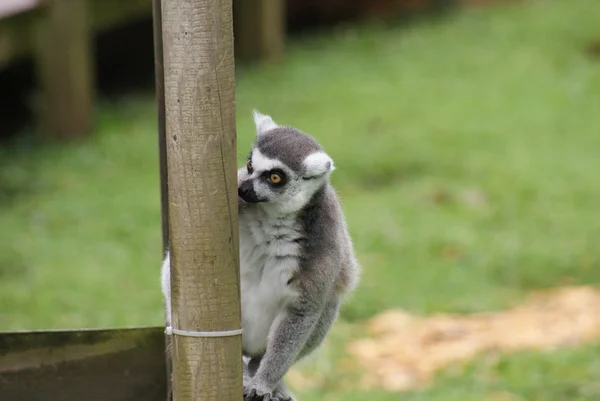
pixel 285 166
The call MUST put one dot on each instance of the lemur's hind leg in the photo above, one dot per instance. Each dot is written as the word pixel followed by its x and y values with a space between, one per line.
pixel 322 327
pixel 320 330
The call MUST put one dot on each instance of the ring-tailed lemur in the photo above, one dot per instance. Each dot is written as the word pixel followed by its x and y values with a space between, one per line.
pixel 297 260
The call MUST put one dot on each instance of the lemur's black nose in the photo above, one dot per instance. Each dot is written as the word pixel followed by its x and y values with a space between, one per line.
pixel 247 193
pixel 244 189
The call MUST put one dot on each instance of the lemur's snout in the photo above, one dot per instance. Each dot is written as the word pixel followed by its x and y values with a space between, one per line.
pixel 247 193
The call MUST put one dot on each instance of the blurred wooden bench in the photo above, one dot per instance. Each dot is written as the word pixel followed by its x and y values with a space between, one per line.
pixel 59 35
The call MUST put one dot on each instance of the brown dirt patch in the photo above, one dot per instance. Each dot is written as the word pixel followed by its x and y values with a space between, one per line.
pixel 405 351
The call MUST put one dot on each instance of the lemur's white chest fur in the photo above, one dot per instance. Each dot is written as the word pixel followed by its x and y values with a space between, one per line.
pixel 268 259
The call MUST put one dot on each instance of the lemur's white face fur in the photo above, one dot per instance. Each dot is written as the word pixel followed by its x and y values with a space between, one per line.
pixel 285 167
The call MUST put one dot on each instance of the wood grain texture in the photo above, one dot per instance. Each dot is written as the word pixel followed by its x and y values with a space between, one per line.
pixel 162 156
pixel 199 84
pixel 159 80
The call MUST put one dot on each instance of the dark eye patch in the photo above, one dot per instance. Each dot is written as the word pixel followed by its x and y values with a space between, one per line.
pixel 267 177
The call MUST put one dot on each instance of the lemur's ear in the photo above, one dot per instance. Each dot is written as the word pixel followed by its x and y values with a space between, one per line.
pixel 263 122
pixel 317 164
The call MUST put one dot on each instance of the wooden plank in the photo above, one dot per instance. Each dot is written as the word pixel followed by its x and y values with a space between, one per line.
pixel 11 7
pixel 93 365
pixel 201 143
pixel 259 29
pixel 65 70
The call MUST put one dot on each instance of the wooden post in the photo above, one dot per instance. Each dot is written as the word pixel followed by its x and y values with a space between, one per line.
pixel 64 64
pixel 259 29
pixel 159 78
pixel 162 159
pixel 199 84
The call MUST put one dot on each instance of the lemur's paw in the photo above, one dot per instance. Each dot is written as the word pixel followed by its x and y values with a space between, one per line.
pixel 279 395
pixel 253 392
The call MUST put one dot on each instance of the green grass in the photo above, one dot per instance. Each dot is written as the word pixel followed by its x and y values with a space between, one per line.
pixel 565 374
pixel 502 100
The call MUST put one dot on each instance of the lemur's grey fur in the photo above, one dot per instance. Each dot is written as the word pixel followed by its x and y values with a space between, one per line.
pixel 297 261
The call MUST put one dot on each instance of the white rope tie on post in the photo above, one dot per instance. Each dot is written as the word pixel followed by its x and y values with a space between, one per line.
pixel 227 333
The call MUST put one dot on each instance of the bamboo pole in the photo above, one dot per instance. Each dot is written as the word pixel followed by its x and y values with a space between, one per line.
pixel 199 85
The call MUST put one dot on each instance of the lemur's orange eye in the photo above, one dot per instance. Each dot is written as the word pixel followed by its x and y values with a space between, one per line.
pixel 275 178
pixel 249 166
